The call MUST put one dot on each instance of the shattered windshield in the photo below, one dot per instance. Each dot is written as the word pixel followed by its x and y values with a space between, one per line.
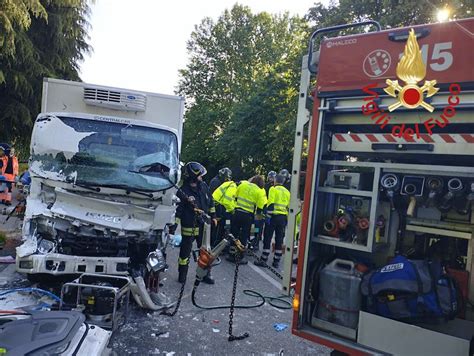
pixel 108 152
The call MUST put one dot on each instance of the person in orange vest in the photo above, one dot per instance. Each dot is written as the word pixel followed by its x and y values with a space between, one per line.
pixel 3 160
pixel 11 170
pixel 14 163
pixel 5 178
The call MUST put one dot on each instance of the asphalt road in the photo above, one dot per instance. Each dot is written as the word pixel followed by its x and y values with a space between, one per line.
pixel 194 331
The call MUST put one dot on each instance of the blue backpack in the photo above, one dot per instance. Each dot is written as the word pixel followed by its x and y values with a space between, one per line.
pixel 412 291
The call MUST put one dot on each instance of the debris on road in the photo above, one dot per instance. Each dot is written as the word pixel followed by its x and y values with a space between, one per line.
pixel 7 259
pixel 280 326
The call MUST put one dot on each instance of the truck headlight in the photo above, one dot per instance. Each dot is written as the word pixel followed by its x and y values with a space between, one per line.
pixel 28 264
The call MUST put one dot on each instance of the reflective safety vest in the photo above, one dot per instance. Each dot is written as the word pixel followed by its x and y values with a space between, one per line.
pixel 225 195
pixel 10 167
pixel 249 197
pixel 278 200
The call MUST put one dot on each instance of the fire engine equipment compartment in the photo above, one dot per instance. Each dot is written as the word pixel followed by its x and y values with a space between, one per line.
pixel 372 194
pixel 339 297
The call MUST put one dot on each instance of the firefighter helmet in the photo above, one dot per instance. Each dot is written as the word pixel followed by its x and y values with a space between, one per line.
pixel 271 176
pixel 194 170
pixel 225 174
pixel 286 174
pixel 280 179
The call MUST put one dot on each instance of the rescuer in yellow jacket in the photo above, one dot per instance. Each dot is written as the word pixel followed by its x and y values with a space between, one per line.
pixel 277 207
pixel 250 199
pixel 224 199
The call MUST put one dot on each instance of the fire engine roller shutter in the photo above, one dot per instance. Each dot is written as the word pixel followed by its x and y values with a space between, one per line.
pixel 446 143
pixel 353 132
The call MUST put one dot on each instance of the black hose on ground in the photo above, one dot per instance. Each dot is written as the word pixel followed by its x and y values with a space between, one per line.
pixel 277 302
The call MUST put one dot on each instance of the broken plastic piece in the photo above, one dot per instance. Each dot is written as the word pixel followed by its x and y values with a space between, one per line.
pixel 28 247
pixel 7 259
pixel 177 240
pixel 280 326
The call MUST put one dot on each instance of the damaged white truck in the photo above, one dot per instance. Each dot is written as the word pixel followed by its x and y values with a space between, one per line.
pixel 104 164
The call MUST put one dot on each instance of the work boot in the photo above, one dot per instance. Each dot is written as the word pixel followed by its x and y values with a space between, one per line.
pixel 183 272
pixel 253 245
pixel 208 279
pixel 276 264
pixel 260 263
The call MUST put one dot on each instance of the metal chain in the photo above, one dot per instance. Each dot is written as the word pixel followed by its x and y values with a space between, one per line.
pixel 232 302
pixel 273 270
pixel 178 303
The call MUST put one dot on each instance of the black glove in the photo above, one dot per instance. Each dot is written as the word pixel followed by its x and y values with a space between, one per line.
pixel 172 228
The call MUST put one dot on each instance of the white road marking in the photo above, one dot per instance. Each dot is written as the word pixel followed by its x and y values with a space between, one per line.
pixel 275 283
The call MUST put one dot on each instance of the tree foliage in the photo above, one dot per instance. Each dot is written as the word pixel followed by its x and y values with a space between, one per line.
pixel 242 79
pixel 389 13
pixel 43 38
pixel 15 17
pixel 239 86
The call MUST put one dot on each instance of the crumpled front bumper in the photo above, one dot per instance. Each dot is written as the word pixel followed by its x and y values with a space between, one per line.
pixel 59 264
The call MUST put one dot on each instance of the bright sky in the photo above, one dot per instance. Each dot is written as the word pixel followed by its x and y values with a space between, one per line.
pixel 141 44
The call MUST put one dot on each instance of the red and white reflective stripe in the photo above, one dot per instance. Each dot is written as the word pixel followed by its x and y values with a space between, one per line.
pixel 389 138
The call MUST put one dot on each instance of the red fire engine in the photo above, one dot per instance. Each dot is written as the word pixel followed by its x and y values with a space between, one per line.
pixel 384 147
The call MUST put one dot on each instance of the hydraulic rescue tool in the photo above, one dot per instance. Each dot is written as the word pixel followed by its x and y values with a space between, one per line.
pixel 205 262
pixel 207 256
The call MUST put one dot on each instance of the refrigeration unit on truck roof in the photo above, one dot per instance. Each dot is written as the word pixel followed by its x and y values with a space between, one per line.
pixel 78 97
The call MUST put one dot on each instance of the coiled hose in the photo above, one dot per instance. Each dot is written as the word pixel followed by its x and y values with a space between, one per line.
pixel 280 302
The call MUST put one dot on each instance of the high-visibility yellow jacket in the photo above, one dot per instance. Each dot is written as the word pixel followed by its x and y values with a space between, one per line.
pixel 298 222
pixel 278 200
pixel 225 195
pixel 250 197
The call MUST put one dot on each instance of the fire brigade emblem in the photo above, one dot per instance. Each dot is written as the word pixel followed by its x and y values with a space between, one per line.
pixel 411 70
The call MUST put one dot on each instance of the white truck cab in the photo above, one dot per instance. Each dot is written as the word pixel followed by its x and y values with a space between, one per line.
pixel 104 163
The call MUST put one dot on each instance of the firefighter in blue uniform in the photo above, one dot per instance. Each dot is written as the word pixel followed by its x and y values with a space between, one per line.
pixel 195 199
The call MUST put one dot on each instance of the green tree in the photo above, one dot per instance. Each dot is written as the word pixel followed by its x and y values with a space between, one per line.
pixel 49 40
pixel 15 17
pixel 242 68
pixel 390 13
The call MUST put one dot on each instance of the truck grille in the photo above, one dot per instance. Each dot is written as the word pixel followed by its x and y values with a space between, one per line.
pixel 92 246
